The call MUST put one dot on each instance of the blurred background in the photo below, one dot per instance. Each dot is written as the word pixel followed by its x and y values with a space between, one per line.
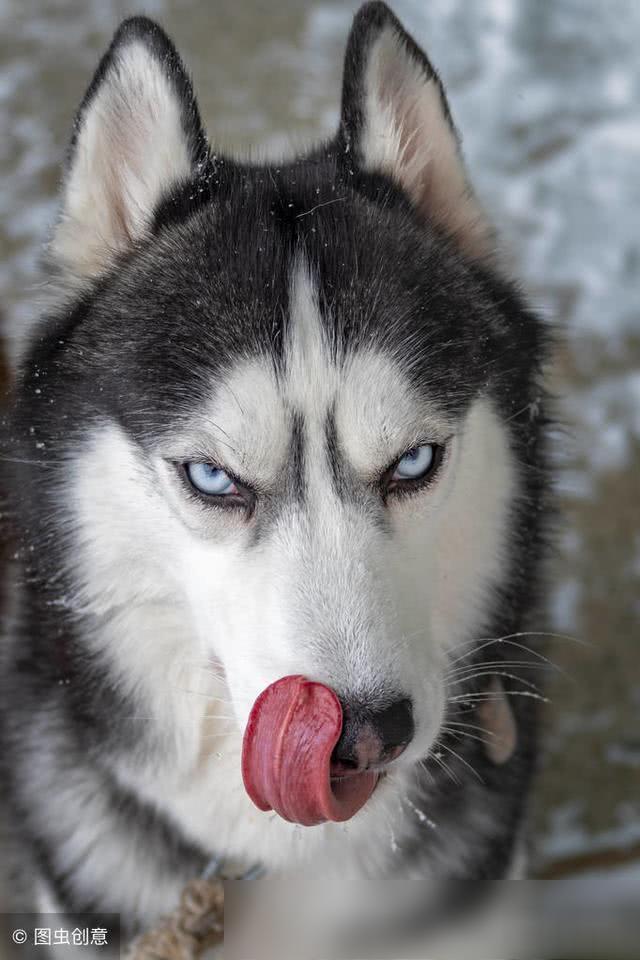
pixel 546 94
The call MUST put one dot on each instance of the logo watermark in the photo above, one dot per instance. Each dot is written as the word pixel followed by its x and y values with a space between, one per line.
pixel 67 934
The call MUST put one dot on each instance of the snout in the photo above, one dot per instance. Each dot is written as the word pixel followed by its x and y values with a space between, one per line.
pixel 372 738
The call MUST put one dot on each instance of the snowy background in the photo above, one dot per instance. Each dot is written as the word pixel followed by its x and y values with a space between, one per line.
pixel 546 95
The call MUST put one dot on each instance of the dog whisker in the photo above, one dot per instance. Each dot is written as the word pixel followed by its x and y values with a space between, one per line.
pixel 198 693
pixel 520 646
pixel 470 726
pixel 461 672
pixel 479 643
pixel 462 760
pixel 494 673
pixel 464 735
pixel 437 756
pixel 488 695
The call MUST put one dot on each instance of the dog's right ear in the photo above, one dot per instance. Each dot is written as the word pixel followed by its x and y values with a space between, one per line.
pixel 137 134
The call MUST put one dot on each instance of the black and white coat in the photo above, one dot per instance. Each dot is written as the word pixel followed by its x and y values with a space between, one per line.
pixel 305 322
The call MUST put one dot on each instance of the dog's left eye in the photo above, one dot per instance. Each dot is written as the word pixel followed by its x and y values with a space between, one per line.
pixel 416 463
pixel 210 480
pixel 414 469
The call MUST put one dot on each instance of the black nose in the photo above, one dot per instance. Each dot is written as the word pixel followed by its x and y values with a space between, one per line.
pixel 372 737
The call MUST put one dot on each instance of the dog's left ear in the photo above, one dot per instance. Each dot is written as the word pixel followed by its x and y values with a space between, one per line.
pixel 137 135
pixel 396 120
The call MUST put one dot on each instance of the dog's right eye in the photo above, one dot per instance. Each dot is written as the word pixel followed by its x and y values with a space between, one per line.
pixel 414 470
pixel 416 463
pixel 211 483
pixel 210 480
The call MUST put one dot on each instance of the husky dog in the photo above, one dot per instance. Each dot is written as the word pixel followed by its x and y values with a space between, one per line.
pixel 283 419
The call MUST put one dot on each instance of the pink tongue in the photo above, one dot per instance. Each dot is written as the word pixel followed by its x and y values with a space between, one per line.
pixel 286 755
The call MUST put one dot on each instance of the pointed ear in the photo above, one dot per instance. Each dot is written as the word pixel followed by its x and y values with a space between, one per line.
pixel 137 134
pixel 396 120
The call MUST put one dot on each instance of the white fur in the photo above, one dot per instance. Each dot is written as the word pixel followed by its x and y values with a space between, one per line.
pixel 130 148
pixel 90 846
pixel 194 621
pixel 407 136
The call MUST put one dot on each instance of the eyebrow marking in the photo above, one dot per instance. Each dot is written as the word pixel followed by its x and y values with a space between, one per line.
pixel 332 446
pixel 297 458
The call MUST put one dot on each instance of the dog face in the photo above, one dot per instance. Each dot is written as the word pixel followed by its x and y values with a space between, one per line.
pixel 290 389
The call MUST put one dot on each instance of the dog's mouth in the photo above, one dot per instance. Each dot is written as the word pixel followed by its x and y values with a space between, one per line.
pixel 349 788
pixel 286 757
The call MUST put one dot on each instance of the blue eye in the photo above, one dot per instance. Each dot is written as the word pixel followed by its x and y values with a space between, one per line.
pixel 416 463
pixel 210 480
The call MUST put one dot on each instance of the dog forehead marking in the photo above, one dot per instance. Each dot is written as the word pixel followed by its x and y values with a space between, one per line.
pixel 328 402
pixel 311 376
pixel 362 392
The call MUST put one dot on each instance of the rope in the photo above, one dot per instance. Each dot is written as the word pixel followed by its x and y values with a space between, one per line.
pixel 196 925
